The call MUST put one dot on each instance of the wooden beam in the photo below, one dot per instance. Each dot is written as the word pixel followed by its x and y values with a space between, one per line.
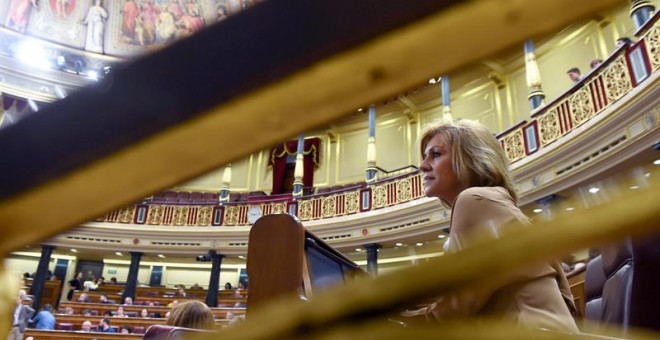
pixel 149 126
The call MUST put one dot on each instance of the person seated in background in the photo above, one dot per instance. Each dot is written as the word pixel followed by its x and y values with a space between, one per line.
pixel 623 41
pixel 464 166
pixel 144 313
pixel 173 304
pixel 182 293
pixel 595 63
pixel 103 299
pixel 120 312
pixel 191 314
pixel 574 74
pixel 83 298
pixel 68 311
pixel 228 285
pixel 196 286
pixel 86 312
pixel 113 280
pixel 90 284
pixel 128 301
pixel 86 326
pixel 104 326
pixel 125 329
pixel 45 318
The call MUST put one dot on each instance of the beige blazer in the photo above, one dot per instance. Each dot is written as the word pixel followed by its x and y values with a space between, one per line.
pixel 537 296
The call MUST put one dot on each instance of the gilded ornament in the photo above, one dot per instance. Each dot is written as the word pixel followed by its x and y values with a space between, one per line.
pixel 617 80
pixel 329 206
pixel 582 107
pixel 514 145
pixel 548 124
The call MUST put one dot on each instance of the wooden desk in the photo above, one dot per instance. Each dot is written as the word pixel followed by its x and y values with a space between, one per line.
pixel 77 321
pixel 51 292
pixel 78 307
pixel 306 264
pixel 38 334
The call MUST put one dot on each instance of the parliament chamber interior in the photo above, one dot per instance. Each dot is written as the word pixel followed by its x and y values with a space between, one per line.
pixel 263 157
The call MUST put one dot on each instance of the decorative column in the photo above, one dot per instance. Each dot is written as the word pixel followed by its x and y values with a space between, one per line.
pixel 39 280
pixel 536 95
pixel 299 170
pixel 371 146
pixel 372 258
pixel 641 11
pixel 214 281
pixel 446 100
pixel 226 182
pixel 131 281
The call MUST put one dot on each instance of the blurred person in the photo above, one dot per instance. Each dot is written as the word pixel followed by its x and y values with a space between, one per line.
pixel 83 298
pixel 191 314
pixel 86 326
pixel 75 284
pixel 104 326
pixel 103 299
pixel 228 285
pixel 128 301
pixel 144 313
pixel 22 315
pixel 125 329
pixel 45 318
pixel 120 312
pixel 623 41
pixel 574 74
pixel 595 63
pixel 87 312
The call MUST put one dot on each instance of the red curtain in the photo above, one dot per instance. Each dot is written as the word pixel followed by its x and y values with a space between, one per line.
pixel 310 161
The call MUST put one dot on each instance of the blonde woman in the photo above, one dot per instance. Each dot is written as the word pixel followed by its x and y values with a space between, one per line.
pixel 464 166
pixel 191 314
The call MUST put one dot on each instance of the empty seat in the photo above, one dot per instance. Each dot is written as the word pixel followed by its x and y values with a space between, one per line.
pixel 131 314
pixel 64 326
pixel 138 330
pixel 645 297
pixel 593 289
pixel 617 264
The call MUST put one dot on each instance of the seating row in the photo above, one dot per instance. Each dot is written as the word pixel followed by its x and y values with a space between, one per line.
pixel 159 291
pixel 39 334
pixel 159 300
pixel 100 308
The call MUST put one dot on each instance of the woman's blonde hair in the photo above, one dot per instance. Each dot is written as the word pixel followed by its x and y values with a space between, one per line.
pixel 477 156
pixel 191 314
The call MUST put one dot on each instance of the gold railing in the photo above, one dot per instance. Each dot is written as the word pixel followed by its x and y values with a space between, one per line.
pixel 381 194
pixel 590 97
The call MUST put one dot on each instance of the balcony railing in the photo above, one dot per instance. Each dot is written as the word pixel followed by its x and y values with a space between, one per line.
pixel 619 74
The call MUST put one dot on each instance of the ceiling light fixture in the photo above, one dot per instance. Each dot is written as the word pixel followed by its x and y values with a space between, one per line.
pixel 634 187
pixel 398 244
pixel 656 162
pixel 538 210
pixel 419 244
pixel 594 190
pixel 161 256
pixel 442 236
pixel 358 249
pixel 118 253
pixel 570 209
pixel 74 250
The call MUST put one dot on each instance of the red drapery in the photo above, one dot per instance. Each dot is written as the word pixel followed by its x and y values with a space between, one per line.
pixel 310 161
